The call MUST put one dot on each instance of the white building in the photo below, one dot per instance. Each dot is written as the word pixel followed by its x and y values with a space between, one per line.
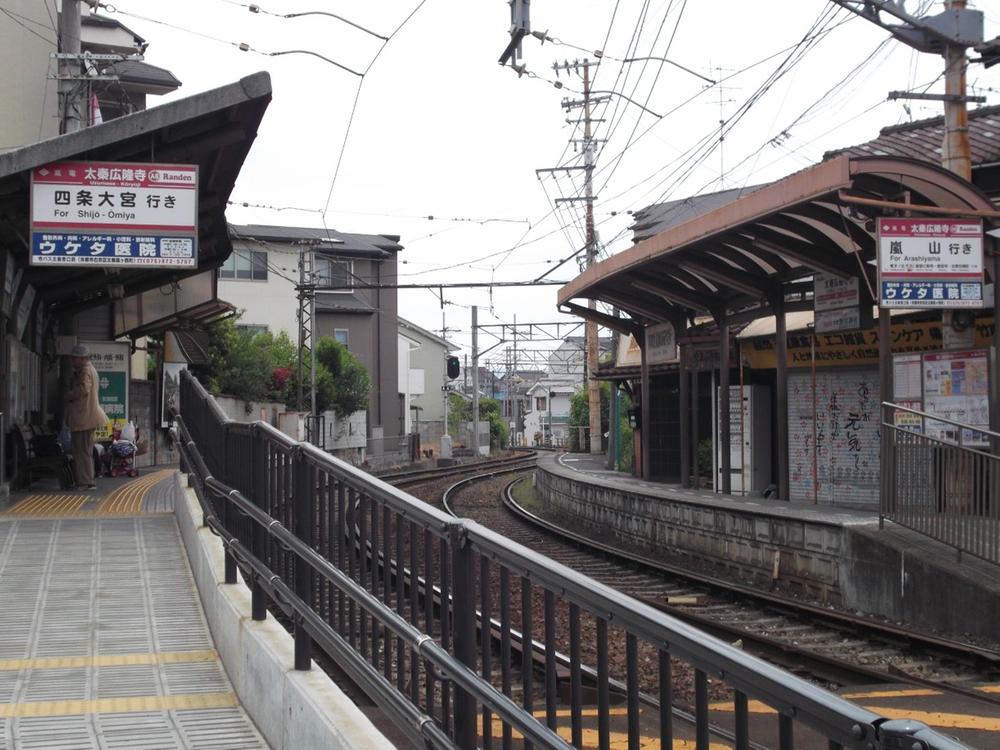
pixel 547 419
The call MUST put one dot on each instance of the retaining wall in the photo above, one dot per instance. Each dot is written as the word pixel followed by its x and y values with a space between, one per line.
pixel 824 555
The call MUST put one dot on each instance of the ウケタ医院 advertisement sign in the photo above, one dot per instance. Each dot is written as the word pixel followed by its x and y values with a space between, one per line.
pixel 115 214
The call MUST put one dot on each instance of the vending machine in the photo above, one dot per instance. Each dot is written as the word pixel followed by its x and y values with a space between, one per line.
pixel 749 440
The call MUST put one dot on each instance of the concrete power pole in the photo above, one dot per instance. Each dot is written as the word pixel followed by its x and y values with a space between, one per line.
pixel 588 145
pixel 948 34
pixel 475 380
pixel 956 154
pixel 72 91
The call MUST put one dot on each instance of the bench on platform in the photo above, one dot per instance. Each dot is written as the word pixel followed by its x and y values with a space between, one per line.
pixel 37 453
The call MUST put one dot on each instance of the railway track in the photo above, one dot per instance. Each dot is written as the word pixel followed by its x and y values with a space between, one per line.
pixel 834 648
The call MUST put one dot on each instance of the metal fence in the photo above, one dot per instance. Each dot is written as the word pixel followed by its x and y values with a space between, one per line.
pixel 428 614
pixel 945 487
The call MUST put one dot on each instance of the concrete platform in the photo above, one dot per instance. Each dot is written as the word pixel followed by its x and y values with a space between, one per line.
pixel 104 642
pixel 839 556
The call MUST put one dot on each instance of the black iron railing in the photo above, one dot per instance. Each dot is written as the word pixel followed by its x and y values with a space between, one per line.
pixel 397 592
pixel 942 478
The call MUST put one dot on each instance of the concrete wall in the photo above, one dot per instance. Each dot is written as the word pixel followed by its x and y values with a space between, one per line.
pixel 240 411
pixel 741 544
pixel 893 573
pixel 292 709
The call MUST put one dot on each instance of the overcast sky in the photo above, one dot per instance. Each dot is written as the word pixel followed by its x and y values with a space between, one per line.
pixel 441 129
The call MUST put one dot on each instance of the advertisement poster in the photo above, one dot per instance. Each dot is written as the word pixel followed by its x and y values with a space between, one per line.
pixel 170 405
pixel 112 361
pixel 114 214
pixel 956 387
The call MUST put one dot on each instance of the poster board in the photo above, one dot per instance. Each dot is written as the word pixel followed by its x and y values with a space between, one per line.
pixel 112 360
pixel 956 386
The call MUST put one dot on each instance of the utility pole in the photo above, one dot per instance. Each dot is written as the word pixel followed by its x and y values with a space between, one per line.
pixel 513 384
pixel 72 105
pixel 475 380
pixel 956 154
pixel 588 145
pixel 307 322
pixel 948 34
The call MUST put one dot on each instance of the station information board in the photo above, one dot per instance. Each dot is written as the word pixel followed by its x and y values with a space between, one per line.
pixel 114 214
pixel 930 263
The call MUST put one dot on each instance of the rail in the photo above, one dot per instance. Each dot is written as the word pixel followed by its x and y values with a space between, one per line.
pixel 393 589
pixel 944 485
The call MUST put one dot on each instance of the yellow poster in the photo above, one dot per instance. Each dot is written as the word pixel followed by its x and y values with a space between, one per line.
pixel 854 348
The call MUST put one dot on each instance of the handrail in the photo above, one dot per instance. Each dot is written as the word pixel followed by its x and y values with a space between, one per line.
pixel 845 724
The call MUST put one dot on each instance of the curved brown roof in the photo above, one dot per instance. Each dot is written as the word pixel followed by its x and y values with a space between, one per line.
pixel 734 258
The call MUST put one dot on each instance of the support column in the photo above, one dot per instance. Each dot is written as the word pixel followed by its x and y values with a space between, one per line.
pixel 725 468
pixel 644 407
pixel 885 394
pixel 685 422
pixel 995 348
pixel 475 381
pixel 781 394
pixel 695 439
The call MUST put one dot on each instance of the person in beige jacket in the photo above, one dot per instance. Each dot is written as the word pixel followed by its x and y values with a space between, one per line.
pixel 83 415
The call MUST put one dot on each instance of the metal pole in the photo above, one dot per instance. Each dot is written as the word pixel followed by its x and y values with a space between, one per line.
pixel 475 379
pixel 513 385
pixel 72 105
pixel 956 153
pixel 885 394
pixel 444 378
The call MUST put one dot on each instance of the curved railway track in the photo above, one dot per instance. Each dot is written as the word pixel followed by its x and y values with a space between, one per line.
pixel 834 648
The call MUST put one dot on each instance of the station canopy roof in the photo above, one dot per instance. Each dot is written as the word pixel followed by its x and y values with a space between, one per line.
pixel 214 130
pixel 734 258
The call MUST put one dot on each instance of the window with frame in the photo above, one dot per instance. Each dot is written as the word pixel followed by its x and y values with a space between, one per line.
pixel 245 265
pixel 540 404
pixel 333 272
pixel 342 336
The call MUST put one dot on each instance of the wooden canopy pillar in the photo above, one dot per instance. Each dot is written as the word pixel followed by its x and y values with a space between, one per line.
pixel 725 439
pixel 781 391
pixel 644 412
pixel 684 398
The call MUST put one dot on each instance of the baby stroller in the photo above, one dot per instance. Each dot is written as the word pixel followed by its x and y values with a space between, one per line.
pixel 121 456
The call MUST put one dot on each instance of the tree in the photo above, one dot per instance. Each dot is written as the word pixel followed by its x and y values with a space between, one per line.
pixel 239 362
pixel 350 378
pixel 579 415
pixel 460 410
pixel 342 383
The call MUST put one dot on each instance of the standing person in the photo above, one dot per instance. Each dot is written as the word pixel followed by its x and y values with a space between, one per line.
pixel 83 416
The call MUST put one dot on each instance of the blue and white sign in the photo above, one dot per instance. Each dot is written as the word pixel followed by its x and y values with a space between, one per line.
pixel 932 293
pixel 115 214
pixel 48 248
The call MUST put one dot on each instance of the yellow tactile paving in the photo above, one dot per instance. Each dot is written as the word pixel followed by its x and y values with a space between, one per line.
pixel 128 499
pixel 937 719
pixel 123 501
pixel 110 660
pixel 591 737
pixel 49 505
pixel 119 705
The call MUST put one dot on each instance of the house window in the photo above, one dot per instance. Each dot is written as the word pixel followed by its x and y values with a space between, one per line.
pixel 342 335
pixel 245 265
pixel 252 328
pixel 328 272
pixel 540 403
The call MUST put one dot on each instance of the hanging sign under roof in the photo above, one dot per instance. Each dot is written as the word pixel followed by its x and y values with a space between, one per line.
pixel 930 263
pixel 115 214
